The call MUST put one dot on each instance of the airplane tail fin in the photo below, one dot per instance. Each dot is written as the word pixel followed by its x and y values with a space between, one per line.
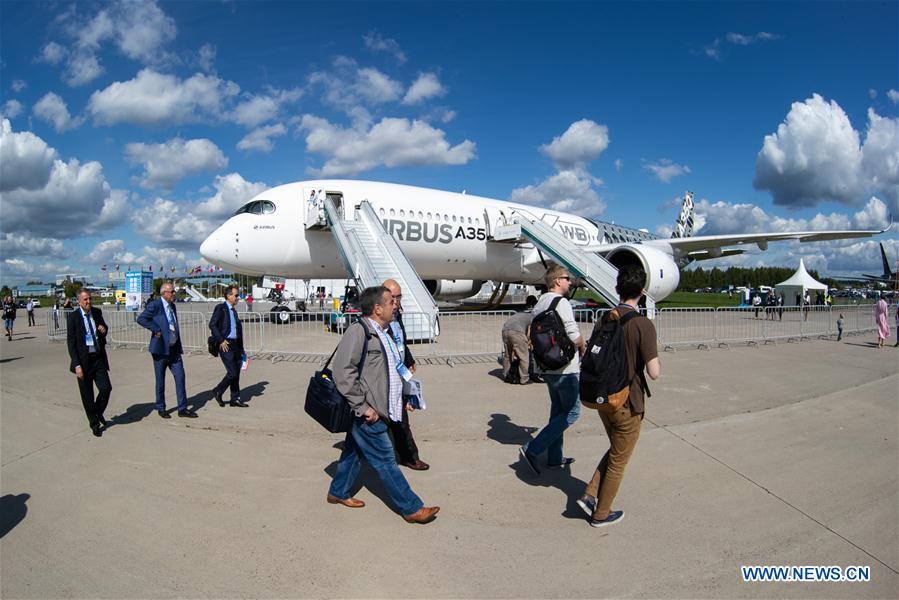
pixel 887 272
pixel 683 227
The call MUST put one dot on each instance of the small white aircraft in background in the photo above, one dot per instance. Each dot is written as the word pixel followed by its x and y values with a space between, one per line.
pixel 451 238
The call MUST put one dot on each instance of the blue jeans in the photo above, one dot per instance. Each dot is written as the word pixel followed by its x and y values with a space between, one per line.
pixel 372 442
pixel 564 409
pixel 176 365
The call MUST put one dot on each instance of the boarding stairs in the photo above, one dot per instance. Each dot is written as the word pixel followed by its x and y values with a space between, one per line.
pixel 372 256
pixel 195 296
pixel 593 270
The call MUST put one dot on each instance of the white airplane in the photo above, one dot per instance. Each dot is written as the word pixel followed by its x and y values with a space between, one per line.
pixel 449 238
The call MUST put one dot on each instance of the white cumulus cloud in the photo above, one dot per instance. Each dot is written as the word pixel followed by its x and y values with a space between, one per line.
pixel 18 85
pixel 43 196
pixel 53 109
pixel 425 87
pixel 153 98
pixel 260 139
pixel 375 42
pixel 184 225
pixel 893 95
pixel 258 109
pixel 12 109
pixel 349 87
pixel 16 244
pixel 391 142
pixel 569 191
pixel 52 53
pixel 26 161
pixel 666 170
pixel 167 163
pixel 139 30
pixel 581 143
pixel 816 155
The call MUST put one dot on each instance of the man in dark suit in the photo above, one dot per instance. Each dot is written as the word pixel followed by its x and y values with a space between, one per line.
pixel 228 333
pixel 403 440
pixel 161 318
pixel 86 338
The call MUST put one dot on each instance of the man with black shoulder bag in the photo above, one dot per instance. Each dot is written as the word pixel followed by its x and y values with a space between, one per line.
pixel 374 393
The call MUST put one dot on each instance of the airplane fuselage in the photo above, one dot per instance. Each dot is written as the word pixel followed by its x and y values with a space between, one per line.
pixel 445 235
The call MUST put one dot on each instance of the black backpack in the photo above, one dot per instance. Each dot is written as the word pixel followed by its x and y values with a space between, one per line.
pixel 604 381
pixel 551 346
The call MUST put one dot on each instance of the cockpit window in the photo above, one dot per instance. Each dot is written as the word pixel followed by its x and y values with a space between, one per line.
pixel 257 207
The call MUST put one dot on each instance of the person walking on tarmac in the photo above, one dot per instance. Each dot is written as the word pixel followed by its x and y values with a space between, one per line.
pixel 403 441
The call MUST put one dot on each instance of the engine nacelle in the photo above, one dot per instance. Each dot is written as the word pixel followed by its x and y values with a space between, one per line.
pixel 662 274
pixel 453 289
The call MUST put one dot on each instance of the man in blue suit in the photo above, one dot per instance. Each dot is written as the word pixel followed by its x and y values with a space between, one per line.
pixel 161 318
pixel 228 333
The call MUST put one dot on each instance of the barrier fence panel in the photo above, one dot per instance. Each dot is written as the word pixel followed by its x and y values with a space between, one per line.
pixel 783 323
pixel 124 329
pixel 314 335
pixel 585 318
pixel 470 333
pixel 817 321
pixel 56 324
pixel 299 334
pixel 685 327
pixel 738 324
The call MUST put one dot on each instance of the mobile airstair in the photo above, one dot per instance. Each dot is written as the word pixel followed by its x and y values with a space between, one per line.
pixel 593 270
pixel 372 256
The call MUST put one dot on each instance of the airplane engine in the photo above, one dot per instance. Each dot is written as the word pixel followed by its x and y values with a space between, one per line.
pixel 662 274
pixel 453 289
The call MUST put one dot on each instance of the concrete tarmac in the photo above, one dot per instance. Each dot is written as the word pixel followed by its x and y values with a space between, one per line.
pixel 773 455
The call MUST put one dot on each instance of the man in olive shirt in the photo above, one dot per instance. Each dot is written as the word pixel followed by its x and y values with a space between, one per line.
pixel 623 425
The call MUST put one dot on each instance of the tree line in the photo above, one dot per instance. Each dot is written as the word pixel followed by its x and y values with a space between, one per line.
pixel 691 279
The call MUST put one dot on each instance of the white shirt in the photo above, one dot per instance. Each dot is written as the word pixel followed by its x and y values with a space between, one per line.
pixel 395 387
pixel 566 313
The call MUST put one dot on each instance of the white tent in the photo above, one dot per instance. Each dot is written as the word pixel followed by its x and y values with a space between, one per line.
pixel 797 284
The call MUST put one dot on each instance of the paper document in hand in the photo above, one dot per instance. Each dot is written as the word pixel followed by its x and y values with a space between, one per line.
pixel 412 394
pixel 244 362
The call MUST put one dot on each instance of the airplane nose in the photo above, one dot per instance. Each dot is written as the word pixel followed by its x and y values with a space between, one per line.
pixel 213 247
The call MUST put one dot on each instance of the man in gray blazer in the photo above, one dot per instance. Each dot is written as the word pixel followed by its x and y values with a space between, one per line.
pixel 375 395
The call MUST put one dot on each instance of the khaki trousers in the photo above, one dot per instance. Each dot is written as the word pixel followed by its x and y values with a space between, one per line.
pixel 517 343
pixel 623 430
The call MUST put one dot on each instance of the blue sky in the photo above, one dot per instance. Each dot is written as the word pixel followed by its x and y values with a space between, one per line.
pixel 131 130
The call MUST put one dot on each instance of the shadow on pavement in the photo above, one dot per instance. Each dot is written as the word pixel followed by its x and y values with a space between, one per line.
pixel 6 360
pixel 12 512
pixel 134 414
pixel 502 430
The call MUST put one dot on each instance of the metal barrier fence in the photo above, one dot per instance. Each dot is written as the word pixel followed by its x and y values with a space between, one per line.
pixel 289 335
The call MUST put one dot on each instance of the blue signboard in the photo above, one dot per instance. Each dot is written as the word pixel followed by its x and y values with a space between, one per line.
pixel 138 287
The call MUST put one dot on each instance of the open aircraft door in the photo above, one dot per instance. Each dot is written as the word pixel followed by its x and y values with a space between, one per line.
pixel 494 218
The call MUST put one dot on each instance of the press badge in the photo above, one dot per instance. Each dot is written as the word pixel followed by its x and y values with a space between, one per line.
pixel 404 372
pixel 88 340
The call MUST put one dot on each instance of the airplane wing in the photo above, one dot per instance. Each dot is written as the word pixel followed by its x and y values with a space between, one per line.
pixel 700 243
pixel 715 246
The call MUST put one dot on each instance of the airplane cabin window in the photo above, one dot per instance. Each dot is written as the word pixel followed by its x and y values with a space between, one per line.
pixel 403 214
pixel 429 216
pixel 454 218
pixel 392 213
pixel 419 214
pixel 381 211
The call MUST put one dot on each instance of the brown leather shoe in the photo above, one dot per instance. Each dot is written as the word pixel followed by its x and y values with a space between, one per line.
pixel 425 514
pixel 418 465
pixel 348 502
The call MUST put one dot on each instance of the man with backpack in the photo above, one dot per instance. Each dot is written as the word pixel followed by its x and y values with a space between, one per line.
pixel 557 345
pixel 623 344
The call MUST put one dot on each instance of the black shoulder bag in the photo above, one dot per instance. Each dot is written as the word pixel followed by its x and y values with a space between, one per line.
pixel 325 403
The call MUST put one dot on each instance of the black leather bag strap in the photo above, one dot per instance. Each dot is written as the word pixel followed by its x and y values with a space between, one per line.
pixel 364 349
